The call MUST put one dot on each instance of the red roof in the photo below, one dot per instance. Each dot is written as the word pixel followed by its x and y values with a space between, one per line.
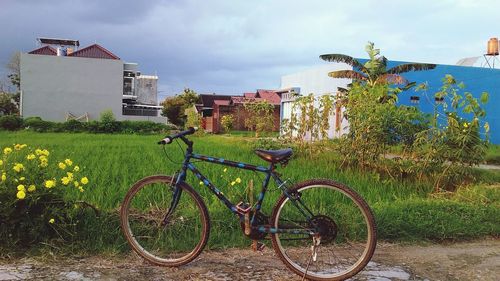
pixel 221 102
pixel 47 50
pixel 94 51
pixel 249 95
pixel 269 95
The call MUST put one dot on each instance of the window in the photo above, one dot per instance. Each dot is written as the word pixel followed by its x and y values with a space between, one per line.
pixel 415 99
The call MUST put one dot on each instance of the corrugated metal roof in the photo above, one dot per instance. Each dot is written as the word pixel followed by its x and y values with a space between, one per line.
pixel 58 41
pixel 94 51
pixel 47 50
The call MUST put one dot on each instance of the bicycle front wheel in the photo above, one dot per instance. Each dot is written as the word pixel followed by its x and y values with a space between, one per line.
pixel 325 231
pixel 160 231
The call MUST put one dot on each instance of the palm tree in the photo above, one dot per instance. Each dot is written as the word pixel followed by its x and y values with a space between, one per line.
pixel 374 71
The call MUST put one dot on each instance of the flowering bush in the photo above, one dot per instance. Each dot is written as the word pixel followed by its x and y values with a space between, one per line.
pixel 32 188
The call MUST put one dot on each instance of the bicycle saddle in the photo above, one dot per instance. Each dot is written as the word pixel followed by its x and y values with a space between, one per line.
pixel 274 156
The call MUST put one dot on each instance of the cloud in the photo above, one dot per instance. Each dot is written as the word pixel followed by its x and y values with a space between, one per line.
pixel 235 46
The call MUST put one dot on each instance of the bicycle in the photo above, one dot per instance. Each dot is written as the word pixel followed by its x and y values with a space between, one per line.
pixel 320 229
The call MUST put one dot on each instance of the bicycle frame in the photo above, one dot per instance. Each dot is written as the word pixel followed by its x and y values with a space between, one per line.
pixel 269 171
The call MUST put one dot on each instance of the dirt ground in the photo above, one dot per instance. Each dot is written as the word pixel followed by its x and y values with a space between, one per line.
pixel 478 260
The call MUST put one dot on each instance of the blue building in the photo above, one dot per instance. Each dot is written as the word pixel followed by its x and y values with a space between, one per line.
pixel 476 79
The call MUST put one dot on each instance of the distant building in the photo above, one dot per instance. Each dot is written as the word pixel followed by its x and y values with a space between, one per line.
pixel 59 82
pixel 213 107
pixel 476 79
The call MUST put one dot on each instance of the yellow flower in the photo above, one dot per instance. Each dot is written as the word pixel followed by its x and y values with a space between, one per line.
pixel 44 164
pixel 1 162
pixel 466 125
pixel 31 188
pixel 201 183
pixel 52 220
pixel 31 156
pixel 38 151
pixel 85 180
pixel 7 150
pixel 81 189
pixel 4 177
pixel 238 180
pixel 18 147
pixel 76 169
pixel 65 180
pixel 62 166
pixel 70 175
pixel 18 167
pixel 233 183
pixel 21 187
pixel 68 162
pixel 50 183
pixel 77 184
pixel 21 195
pixel 22 178
pixel 45 152
pixel 225 170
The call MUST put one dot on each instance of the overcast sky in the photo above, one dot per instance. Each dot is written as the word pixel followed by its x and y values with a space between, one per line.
pixel 232 46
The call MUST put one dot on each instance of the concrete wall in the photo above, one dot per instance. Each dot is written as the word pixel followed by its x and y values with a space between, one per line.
pixel 317 82
pixel 146 89
pixel 52 86
pixel 477 80
pixel 156 119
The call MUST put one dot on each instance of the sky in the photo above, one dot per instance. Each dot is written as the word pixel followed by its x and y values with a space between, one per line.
pixel 233 46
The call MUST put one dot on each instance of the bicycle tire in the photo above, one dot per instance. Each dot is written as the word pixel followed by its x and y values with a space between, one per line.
pixel 345 231
pixel 141 217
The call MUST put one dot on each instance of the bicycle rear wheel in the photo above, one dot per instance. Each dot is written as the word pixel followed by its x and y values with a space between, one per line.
pixel 337 242
pixel 185 233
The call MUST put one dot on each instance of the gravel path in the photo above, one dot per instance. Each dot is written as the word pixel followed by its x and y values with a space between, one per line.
pixel 478 260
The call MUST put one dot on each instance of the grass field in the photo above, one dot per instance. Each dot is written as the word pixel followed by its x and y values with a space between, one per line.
pixel 404 210
pixel 493 155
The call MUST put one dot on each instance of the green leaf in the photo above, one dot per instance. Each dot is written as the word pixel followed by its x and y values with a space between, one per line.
pixel 484 98
pixel 487 127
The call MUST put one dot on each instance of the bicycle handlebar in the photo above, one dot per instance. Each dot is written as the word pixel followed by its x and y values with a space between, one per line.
pixel 169 139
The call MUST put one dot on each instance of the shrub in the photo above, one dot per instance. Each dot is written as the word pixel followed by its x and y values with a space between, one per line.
pixel 38 125
pixel 11 122
pixel 108 122
pixel 32 187
pixel 227 123
pixel 72 126
pixel 260 117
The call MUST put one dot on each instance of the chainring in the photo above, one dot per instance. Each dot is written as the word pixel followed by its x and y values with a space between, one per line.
pixel 260 219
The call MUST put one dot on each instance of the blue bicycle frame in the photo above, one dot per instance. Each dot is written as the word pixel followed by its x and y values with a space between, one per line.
pixel 269 172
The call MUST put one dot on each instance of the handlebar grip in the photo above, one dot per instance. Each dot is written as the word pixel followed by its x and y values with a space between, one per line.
pixel 166 140
pixel 169 139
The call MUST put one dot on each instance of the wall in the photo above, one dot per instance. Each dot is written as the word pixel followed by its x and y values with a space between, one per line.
pixel 146 89
pixel 476 79
pixel 52 86
pixel 316 81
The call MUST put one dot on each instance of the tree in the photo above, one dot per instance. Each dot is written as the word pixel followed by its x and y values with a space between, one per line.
pixel 374 71
pixel 260 117
pixel 174 107
pixel 7 105
pixel 14 67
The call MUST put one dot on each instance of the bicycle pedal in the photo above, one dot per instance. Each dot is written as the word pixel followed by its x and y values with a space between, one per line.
pixel 243 207
pixel 258 246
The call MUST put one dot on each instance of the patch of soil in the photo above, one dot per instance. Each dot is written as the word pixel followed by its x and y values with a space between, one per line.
pixel 478 260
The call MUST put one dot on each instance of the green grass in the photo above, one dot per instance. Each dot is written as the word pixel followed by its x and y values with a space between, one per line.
pixel 404 210
pixel 493 154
